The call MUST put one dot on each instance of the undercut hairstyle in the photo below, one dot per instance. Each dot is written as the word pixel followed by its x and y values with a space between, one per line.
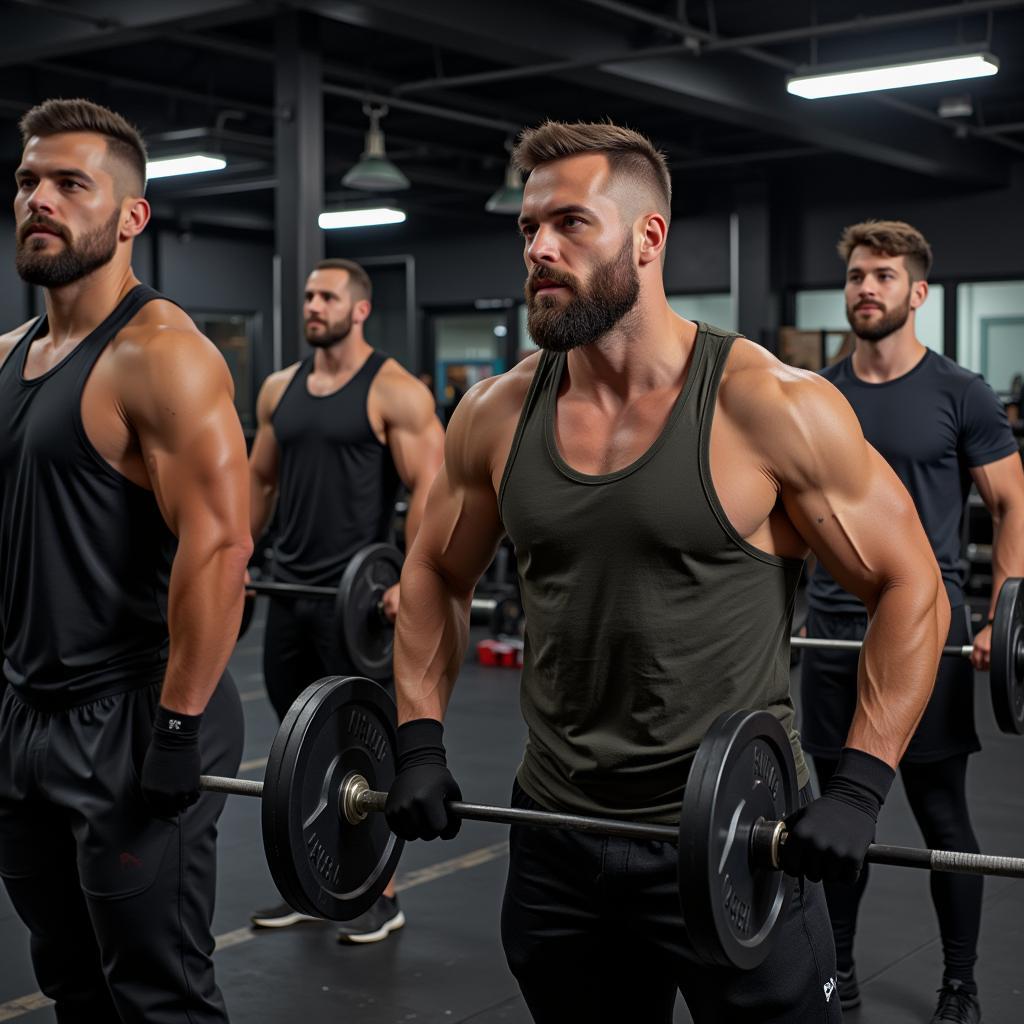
pixel 889 238
pixel 629 153
pixel 124 142
pixel 359 286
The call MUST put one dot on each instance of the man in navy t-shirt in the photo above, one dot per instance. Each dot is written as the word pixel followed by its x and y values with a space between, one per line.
pixel 941 428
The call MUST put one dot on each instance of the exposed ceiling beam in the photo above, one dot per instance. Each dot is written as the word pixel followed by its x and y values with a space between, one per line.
pixel 727 89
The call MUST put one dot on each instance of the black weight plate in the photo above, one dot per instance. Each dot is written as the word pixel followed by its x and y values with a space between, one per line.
pixel 1006 674
pixel 321 864
pixel 743 771
pixel 368 637
pixel 247 612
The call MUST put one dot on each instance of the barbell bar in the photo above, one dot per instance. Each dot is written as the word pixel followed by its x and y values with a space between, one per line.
pixel 331 852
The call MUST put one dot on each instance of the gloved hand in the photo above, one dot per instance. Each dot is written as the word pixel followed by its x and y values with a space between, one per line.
pixel 416 800
pixel 829 837
pixel 170 770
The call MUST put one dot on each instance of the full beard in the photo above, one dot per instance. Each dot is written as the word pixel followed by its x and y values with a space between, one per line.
pixel 890 323
pixel 591 313
pixel 331 334
pixel 75 261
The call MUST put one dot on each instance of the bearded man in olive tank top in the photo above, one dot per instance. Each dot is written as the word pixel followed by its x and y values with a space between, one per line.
pixel 661 481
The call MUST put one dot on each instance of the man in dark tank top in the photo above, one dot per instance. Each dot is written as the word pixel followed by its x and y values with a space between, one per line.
pixel 941 428
pixel 123 545
pixel 336 434
pixel 661 481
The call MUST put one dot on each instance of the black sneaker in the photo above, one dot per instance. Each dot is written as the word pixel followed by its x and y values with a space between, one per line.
pixel 280 916
pixel 377 923
pixel 849 990
pixel 955 1006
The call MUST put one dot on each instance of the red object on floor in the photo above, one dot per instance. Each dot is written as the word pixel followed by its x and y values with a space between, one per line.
pixel 500 653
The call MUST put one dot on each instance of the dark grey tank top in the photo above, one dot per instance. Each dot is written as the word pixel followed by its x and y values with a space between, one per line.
pixel 85 555
pixel 647 614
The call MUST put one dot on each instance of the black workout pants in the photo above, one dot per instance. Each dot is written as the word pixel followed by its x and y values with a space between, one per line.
pixel 300 646
pixel 593 933
pixel 937 795
pixel 118 903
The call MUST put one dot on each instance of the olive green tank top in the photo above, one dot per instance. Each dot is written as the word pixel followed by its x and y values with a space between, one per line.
pixel 647 615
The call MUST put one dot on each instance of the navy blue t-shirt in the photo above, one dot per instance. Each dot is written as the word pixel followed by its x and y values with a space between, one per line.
pixel 932 425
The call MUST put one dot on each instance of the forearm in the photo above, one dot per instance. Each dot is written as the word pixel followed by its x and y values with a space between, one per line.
pixel 898 665
pixel 430 641
pixel 1007 550
pixel 261 504
pixel 414 513
pixel 204 611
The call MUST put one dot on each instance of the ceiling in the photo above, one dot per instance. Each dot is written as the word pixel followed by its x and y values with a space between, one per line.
pixel 704 78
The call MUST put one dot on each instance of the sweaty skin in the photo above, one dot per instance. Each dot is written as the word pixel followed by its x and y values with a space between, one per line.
pixel 399 407
pixel 158 406
pixel 788 461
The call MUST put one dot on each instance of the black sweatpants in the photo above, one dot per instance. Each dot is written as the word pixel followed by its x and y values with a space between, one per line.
pixel 300 646
pixel 119 903
pixel 593 932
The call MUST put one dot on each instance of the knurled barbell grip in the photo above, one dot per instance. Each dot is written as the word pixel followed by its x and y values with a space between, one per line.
pixel 819 643
pixel 236 787
pixel 374 800
pixel 768 837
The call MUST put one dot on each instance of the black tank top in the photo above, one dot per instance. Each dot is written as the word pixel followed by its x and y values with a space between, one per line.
pixel 337 483
pixel 647 615
pixel 85 555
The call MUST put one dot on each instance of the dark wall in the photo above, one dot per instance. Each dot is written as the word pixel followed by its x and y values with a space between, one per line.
pixel 972 237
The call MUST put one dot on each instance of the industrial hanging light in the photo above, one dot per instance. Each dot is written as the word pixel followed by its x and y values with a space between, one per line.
pixel 375 172
pixel 509 198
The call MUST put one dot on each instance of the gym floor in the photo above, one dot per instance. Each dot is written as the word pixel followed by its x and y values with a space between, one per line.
pixel 446 965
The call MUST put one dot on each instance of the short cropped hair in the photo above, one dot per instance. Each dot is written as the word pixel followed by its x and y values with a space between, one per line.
pixel 57 116
pixel 628 152
pixel 359 286
pixel 889 238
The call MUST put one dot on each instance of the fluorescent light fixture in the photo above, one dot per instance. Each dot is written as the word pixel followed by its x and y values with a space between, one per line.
pixel 360 218
pixel 892 76
pixel 191 163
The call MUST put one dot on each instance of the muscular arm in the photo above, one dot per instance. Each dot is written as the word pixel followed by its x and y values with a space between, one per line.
pixel 416 440
pixel 180 403
pixel 458 536
pixel 264 459
pixel 858 519
pixel 1001 486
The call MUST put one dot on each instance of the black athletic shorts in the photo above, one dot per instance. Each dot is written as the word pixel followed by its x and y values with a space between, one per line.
pixel 828 690
pixel 593 933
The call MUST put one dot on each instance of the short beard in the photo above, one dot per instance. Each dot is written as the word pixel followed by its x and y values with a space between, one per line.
pixel 75 261
pixel 592 312
pixel 891 322
pixel 332 335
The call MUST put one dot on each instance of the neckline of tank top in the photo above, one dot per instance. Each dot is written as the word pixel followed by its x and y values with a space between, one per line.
pixel 699 347
pixel 860 382
pixel 336 391
pixel 33 332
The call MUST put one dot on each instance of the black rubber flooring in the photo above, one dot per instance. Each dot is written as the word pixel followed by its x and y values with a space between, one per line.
pixel 447 966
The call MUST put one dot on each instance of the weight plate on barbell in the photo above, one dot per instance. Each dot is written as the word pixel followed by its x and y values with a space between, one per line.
pixel 368 637
pixel 322 864
pixel 743 771
pixel 1006 672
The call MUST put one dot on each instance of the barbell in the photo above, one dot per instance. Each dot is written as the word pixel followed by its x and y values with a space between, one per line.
pixel 1006 672
pixel 362 627
pixel 331 852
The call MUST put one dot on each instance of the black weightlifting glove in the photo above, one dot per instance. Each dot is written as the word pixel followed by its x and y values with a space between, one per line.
pixel 829 837
pixel 416 800
pixel 170 771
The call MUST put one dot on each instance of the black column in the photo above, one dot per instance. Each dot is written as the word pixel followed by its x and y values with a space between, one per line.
pixel 299 165
pixel 751 263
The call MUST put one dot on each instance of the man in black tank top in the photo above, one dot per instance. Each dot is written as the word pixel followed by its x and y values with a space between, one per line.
pixel 336 433
pixel 123 544
pixel 661 481
pixel 941 428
